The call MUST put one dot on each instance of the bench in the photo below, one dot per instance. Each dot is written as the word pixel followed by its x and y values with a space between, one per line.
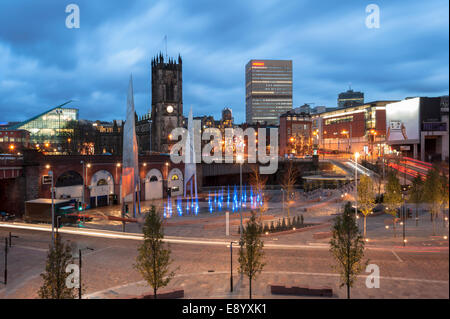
pixel 165 295
pixel 301 291
pixel 321 235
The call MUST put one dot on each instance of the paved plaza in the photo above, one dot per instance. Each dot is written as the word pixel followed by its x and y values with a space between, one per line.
pixel 202 258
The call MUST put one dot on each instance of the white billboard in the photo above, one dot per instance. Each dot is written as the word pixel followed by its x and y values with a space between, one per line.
pixel 402 121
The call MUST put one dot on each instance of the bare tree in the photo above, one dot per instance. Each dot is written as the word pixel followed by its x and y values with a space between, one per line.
pixel 288 181
pixel 258 183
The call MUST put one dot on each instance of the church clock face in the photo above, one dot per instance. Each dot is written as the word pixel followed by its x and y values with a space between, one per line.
pixel 169 109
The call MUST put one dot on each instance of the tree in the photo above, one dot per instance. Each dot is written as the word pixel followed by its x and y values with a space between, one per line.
pixel 432 194
pixel 444 193
pixel 366 197
pixel 379 179
pixel 153 258
pixel 393 197
pixel 347 247
pixel 59 256
pixel 416 194
pixel 258 183
pixel 288 181
pixel 251 253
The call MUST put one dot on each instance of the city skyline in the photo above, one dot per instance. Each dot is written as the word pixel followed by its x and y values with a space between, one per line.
pixel 91 64
pixel 241 157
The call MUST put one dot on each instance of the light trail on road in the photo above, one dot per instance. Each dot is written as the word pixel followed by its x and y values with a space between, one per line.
pixel 207 241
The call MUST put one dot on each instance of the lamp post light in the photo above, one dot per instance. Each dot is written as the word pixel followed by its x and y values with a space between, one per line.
pixel 84 183
pixel 85 168
pixel 50 173
pixel 404 225
pixel 356 184
pixel 231 264
pixel 79 275
pixel 404 218
pixel 345 132
pixel 6 262
pixel 240 159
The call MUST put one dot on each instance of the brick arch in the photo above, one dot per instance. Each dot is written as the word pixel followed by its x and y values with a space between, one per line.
pixel 69 184
pixel 102 174
pixel 69 178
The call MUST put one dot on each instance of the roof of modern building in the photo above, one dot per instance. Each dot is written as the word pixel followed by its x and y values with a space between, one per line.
pixel 39 115
pixel 293 113
pixel 362 106
pixel 350 94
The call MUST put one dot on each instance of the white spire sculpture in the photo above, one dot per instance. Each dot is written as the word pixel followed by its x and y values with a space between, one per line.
pixel 190 171
pixel 130 166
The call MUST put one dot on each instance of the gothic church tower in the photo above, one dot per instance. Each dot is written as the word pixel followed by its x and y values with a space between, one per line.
pixel 167 101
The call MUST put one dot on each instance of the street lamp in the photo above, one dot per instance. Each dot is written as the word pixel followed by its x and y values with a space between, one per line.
pixel 57 225
pixel 50 173
pixel 240 160
pixel 231 264
pixel 404 218
pixel 356 184
pixel 345 132
pixel 79 275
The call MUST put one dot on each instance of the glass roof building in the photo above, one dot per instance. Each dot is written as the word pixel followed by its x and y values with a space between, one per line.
pixel 51 126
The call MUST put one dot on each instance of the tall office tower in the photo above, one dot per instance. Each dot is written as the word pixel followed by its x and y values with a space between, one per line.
pixel 167 101
pixel 350 98
pixel 268 86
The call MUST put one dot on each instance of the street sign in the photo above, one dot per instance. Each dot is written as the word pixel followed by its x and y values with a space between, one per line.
pixel 46 179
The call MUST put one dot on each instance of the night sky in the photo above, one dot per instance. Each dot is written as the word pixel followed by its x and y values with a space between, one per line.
pixel 43 63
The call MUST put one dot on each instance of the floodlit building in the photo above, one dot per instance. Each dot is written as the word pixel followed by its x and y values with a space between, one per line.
pixel 295 134
pixel 268 86
pixel 13 141
pixel 50 128
pixel 353 129
pixel 418 127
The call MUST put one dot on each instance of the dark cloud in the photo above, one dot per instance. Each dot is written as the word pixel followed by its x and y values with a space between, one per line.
pixel 42 63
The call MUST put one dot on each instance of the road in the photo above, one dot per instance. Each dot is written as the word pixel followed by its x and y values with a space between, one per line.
pixel 203 269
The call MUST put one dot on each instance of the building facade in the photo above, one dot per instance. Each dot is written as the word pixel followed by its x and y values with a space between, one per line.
pixel 350 98
pixel 109 139
pixel 418 127
pixel 268 86
pixel 144 133
pixel 92 179
pixel 14 141
pixel 295 134
pixel 167 101
pixel 51 127
pixel 353 129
